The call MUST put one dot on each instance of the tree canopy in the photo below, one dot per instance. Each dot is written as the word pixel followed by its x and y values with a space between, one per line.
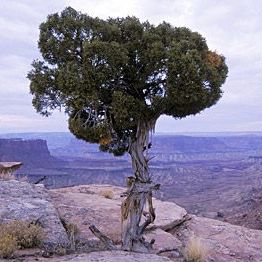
pixel 112 75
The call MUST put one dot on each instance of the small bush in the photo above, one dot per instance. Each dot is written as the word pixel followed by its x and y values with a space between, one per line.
pixel 195 251
pixel 107 194
pixel 18 235
pixel 8 245
pixel 27 235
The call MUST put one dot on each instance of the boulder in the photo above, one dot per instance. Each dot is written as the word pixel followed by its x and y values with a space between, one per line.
pixel 27 202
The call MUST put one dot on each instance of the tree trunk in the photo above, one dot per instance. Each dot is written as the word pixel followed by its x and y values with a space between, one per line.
pixel 139 192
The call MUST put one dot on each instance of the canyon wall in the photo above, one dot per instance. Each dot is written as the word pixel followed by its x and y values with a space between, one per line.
pixel 32 153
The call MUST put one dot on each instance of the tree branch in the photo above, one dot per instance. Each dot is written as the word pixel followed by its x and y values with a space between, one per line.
pixel 106 240
pixel 40 180
pixel 167 250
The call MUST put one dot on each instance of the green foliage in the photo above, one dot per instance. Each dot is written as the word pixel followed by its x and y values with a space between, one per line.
pixel 109 75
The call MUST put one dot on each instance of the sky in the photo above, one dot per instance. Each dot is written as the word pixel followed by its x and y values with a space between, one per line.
pixel 232 28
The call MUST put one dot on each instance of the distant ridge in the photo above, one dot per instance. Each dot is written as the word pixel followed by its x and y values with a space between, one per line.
pixel 226 133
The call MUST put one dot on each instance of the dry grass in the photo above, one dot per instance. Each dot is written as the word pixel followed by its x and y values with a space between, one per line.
pixel 8 245
pixel 195 251
pixel 19 235
pixel 72 231
pixel 107 193
pixel 6 176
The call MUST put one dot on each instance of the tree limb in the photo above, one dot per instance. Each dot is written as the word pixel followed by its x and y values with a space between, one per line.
pixel 40 180
pixel 167 250
pixel 106 240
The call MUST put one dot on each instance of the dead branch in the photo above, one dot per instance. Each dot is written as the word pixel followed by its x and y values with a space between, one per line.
pixel 106 240
pixel 40 180
pixel 167 250
pixel 150 158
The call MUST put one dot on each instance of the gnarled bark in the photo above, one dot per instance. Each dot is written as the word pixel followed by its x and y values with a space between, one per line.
pixel 138 194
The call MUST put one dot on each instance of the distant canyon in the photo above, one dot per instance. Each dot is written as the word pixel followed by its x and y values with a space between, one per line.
pixel 218 177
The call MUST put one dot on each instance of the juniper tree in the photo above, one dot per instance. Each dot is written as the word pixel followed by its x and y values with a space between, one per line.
pixel 114 78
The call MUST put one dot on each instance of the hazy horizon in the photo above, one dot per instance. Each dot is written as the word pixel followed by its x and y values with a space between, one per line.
pixel 211 133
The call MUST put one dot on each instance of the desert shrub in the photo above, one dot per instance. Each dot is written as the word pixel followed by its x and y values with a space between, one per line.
pixel 26 235
pixel 6 176
pixel 195 251
pixel 8 245
pixel 107 193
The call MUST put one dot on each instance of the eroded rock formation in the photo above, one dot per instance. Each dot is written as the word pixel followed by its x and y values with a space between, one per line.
pixel 33 153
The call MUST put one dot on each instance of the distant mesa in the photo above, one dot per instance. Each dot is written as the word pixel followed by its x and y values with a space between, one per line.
pixel 33 153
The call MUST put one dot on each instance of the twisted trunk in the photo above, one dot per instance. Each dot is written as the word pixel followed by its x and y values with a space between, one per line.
pixel 134 218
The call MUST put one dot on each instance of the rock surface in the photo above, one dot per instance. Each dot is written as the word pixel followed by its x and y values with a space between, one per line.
pixel 163 240
pixel 168 216
pixel 106 256
pixel 225 242
pixel 100 205
pixel 23 201
pixel 87 205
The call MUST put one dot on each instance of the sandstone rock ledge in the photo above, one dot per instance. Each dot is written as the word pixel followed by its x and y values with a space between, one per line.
pixel 87 205
pixel 225 242
pixel 173 228
pixel 92 204
pixel 27 202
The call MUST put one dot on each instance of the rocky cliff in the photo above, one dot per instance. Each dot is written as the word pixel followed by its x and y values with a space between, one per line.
pixel 32 153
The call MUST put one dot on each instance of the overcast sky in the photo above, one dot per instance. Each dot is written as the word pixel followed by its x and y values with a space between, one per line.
pixel 233 28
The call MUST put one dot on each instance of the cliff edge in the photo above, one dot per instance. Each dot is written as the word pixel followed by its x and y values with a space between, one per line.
pixel 82 206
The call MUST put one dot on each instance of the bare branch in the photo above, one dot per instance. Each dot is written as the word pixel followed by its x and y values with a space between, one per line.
pixel 167 250
pixel 40 180
pixel 150 158
pixel 106 240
